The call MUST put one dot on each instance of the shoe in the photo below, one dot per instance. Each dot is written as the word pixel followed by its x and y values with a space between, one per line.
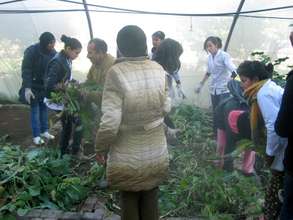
pixel 47 135
pixel 38 141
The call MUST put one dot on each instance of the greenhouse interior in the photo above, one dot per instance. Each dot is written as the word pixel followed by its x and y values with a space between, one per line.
pixel 200 159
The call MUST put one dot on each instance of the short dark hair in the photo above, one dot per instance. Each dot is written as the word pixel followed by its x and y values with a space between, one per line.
pixel 168 54
pixel 71 42
pixel 46 38
pixel 131 41
pixel 255 69
pixel 215 40
pixel 100 45
pixel 159 34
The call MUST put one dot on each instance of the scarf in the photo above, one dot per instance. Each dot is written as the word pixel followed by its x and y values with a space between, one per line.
pixel 257 125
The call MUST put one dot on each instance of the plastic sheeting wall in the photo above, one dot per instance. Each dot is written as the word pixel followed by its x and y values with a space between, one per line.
pixel 269 35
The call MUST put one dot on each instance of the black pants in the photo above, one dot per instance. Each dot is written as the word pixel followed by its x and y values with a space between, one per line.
pixel 142 205
pixel 287 208
pixel 216 99
pixel 169 122
pixel 68 121
pixel 272 204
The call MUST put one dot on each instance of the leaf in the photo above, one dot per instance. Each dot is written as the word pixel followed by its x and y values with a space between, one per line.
pixel 48 205
pixel 24 196
pixel 34 190
pixel 22 211
pixel 33 154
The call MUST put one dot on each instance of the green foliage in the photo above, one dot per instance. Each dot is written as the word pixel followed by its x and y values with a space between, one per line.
pixel 194 123
pixel 39 178
pixel 279 78
pixel 195 186
pixel 81 100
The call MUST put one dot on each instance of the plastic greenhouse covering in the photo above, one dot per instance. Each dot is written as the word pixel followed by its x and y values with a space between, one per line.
pixel 189 22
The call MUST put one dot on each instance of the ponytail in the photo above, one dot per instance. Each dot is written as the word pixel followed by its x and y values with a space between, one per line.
pixel 73 43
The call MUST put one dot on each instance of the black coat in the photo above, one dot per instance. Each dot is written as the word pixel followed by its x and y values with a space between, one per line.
pixel 58 71
pixel 33 68
pixel 235 101
pixel 284 122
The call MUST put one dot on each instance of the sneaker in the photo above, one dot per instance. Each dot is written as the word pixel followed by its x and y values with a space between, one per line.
pixel 38 141
pixel 47 135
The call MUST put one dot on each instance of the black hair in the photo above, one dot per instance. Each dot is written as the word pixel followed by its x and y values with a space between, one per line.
pixel 131 41
pixel 255 69
pixel 100 45
pixel 73 43
pixel 46 38
pixel 168 54
pixel 215 40
pixel 159 34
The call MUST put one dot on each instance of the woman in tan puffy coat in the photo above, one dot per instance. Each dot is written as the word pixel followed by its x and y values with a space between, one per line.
pixel 131 131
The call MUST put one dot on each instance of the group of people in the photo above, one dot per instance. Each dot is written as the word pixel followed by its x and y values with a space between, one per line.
pixel 256 109
pixel 137 96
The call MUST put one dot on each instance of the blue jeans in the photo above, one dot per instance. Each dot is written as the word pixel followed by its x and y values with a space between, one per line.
pixel 287 208
pixel 39 118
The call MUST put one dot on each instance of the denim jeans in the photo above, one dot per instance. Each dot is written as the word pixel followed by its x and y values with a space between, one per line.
pixel 39 118
pixel 287 208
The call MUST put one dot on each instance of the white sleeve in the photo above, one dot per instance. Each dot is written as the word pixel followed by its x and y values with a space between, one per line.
pixel 228 63
pixel 269 111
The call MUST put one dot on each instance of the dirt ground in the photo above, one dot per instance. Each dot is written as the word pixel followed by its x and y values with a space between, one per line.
pixel 15 122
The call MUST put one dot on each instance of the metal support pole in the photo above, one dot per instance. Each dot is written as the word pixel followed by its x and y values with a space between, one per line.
pixel 88 19
pixel 233 25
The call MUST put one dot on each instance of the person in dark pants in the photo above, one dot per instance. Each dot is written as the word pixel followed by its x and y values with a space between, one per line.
pixel 58 77
pixel 131 132
pixel 284 128
pixel 264 97
pixel 221 69
pixel 224 110
pixel 32 92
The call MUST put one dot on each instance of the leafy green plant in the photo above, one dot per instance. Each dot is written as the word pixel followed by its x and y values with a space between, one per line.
pixel 39 178
pixel 81 100
pixel 196 187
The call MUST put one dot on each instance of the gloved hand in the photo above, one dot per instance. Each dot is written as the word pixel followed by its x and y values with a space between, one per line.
pixel 198 88
pixel 28 94
pixel 180 91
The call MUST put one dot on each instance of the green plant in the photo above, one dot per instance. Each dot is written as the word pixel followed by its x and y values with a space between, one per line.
pixel 40 178
pixel 81 100
pixel 195 186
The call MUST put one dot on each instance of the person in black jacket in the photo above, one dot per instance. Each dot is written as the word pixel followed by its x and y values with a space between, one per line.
pixel 58 76
pixel 235 102
pixel 283 127
pixel 157 38
pixel 32 92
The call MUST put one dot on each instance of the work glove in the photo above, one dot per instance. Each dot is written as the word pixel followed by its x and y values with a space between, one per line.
pixel 198 88
pixel 180 91
pixel 28 94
